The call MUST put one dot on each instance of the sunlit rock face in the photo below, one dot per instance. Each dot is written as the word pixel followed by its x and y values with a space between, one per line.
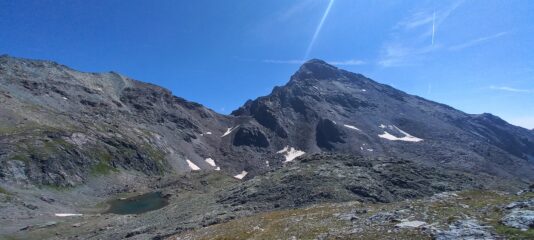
pixel 60 126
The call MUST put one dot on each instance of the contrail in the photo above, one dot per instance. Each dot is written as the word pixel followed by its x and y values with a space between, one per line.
pixel 318 29
pixel 433 26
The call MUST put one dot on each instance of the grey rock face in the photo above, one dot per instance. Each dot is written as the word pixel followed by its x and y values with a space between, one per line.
pixel 521 219
pixel 339 178
pixel 465 229
pixel 328 134
pixel 520 204
pixel 250 137
pixel 324 108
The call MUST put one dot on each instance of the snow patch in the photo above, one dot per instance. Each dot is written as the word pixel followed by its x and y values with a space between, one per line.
pixel 206 133
pixel 217 169
pixel 351 127
pixel 241 175
pixel 407 137
pixel 283 150
pixel 211 162
pixel 193 166
pixel 291 153
pixel 363 90
pixel 229 130
pixel 68 214
pixel 388 136
pixel 382 126
pixel 370 149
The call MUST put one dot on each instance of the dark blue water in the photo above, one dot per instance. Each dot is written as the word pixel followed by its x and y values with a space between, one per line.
pixel 138 204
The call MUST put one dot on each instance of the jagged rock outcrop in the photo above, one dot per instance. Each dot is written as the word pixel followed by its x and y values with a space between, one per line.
pixel 250 137
pixel 337 178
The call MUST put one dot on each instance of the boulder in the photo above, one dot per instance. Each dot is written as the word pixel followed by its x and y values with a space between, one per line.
pixel 465 229
pixel 521 219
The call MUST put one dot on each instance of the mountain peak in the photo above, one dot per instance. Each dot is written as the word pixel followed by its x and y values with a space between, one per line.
pixel 315 61
pixel 317 69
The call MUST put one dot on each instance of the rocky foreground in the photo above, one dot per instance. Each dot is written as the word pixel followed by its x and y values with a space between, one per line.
pixel 444 216
pixel 317 196
pixel 470 214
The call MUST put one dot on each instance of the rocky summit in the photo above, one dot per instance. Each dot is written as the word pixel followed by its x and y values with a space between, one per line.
pixel 334 152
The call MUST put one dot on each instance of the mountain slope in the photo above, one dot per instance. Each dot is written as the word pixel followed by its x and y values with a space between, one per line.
pixel 325 109
pixel 59 127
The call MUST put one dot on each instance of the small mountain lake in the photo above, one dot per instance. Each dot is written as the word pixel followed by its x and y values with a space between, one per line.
pixel 138 204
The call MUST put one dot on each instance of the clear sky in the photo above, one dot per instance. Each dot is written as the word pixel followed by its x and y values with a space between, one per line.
pixel 477 56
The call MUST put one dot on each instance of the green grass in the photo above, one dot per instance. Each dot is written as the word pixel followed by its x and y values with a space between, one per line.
pixel 20 157
pixel 102 168
pixel 156 155
pixel 9 237
pixel 40 147
pixel 102 155
pixel 3 191
pixel 26 128
pixel 514 233
pixel 55 187
pixel 104 158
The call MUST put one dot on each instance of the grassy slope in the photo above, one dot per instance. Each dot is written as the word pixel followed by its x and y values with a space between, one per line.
pixel 323 220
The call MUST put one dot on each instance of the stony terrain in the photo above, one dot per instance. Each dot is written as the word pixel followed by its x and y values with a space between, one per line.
pixel 202 198
pixel 444 216
pixel 71 141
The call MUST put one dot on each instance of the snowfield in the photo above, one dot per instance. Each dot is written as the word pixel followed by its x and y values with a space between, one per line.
pixel 407 137
pixel 193 166
pixel 241 175
pixel 211 162
pixel 229 130
pixel 291 153
pixel 68 214
pixel 351 127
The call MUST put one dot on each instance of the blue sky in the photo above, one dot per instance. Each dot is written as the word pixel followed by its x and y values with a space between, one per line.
pixel 477 56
